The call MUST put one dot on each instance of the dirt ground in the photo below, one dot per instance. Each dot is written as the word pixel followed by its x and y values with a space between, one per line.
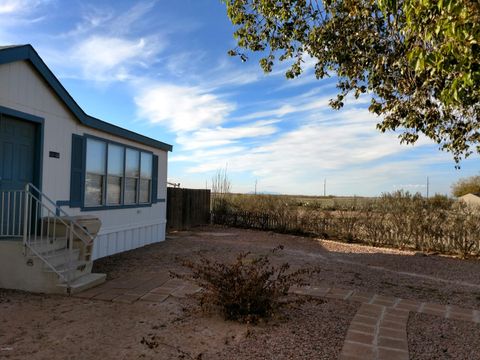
pixel 59 327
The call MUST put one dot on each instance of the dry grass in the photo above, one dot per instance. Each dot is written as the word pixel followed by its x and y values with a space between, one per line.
pixel 400 220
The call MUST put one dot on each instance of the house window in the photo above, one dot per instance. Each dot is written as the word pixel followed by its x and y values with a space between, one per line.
pixel 145 177
pixel 132 173
pixel 116 175
pixel 95 172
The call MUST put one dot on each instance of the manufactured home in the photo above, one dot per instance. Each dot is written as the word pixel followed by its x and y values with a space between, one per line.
pixel 73 188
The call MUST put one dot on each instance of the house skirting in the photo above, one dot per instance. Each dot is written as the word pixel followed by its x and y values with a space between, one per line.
pixel 119 239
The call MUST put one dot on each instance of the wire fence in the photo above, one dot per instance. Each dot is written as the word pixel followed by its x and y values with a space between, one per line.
pixel 442 231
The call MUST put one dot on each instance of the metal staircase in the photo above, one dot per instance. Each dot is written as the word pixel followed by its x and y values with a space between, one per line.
pixel 50 234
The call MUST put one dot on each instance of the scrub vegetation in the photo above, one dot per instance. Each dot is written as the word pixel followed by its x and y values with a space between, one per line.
pixel 247 289
pixel 400 219
pixel 470 185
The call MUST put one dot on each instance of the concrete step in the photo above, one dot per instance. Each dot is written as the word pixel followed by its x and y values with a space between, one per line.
pixel 83 283
pixel 59 257
pixel 66 268
pixel 48 244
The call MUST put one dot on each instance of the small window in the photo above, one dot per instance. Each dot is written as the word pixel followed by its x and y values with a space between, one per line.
pixel 116 156
pixel 132 174
pixel 145 177
pixel 95 172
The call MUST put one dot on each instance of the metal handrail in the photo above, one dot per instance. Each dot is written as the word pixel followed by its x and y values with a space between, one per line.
pixel 37 254
pixel 61 211
pixel 37 219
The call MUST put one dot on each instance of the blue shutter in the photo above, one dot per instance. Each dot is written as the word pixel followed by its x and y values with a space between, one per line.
pixel 154 179
pixel 77 175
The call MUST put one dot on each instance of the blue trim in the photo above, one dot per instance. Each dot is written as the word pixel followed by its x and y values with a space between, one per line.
pixel 61 203
pixel 39 139
pixel 161 200
pixel 154 185
pixel 122 205
pixel 108 141
pixel 77 170
pixel 114 207
pixel 21 115
pixel 28 53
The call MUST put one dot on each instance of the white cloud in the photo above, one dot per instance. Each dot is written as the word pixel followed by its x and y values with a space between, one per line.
pixel 219 136
pixel 205 154
pixel 182 108
pixel 126 22
pixel 343 144
pixel 310 102
pixel 109 58
pixel 19 6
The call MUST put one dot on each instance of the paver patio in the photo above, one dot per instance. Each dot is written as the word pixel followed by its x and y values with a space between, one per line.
pixel 156 288
pixel 377 332
pixel 379 329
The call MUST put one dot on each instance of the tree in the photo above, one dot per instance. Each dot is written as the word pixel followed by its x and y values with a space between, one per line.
pixel 470 185
pixel 418 59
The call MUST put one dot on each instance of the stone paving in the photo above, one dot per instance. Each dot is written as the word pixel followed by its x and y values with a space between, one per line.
pixel 379 329
pixel 155 288
pixel 377 332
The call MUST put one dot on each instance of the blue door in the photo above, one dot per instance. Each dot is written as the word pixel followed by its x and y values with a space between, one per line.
pixel 17 168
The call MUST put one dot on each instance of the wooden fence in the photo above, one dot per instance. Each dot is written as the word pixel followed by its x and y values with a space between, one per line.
pixel 187 208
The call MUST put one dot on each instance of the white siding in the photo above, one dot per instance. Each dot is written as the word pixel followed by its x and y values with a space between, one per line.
pixel 22 89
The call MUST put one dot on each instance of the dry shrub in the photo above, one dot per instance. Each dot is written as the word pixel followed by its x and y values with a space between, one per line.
pixel 399 219
pixel 246 290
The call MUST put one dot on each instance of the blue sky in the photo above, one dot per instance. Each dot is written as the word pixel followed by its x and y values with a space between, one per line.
pixel 161 68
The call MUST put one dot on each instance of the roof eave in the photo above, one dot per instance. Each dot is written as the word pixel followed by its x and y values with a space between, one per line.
pixel 28 53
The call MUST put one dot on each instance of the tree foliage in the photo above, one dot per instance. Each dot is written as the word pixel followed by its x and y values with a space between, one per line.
pixel 470 185
pixel 418 59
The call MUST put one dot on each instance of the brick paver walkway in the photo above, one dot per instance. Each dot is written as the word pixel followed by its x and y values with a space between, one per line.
pixel 379 329
pixel 377 332
pixel 156 288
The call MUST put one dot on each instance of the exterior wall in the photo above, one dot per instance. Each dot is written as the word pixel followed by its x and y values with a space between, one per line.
pixel 23 272
pixel 22 89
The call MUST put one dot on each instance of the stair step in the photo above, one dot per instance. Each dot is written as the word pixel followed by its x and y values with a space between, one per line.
pixel 48 244
pixel 64 268
pixel 84 282
pixel 59 257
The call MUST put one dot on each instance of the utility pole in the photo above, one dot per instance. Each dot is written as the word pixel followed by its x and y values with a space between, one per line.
pixel 325 187
pixel 256 180
pixel 428 186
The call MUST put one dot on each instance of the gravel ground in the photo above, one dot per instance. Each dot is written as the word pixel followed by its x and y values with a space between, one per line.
pixel 58 327
pixel 390 272
pixel 314 331
pixel 431 337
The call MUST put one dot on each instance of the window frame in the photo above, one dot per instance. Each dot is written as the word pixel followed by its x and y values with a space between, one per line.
pixel 122 205
pixel 150 179
pixel 122 183
pixel 103 191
